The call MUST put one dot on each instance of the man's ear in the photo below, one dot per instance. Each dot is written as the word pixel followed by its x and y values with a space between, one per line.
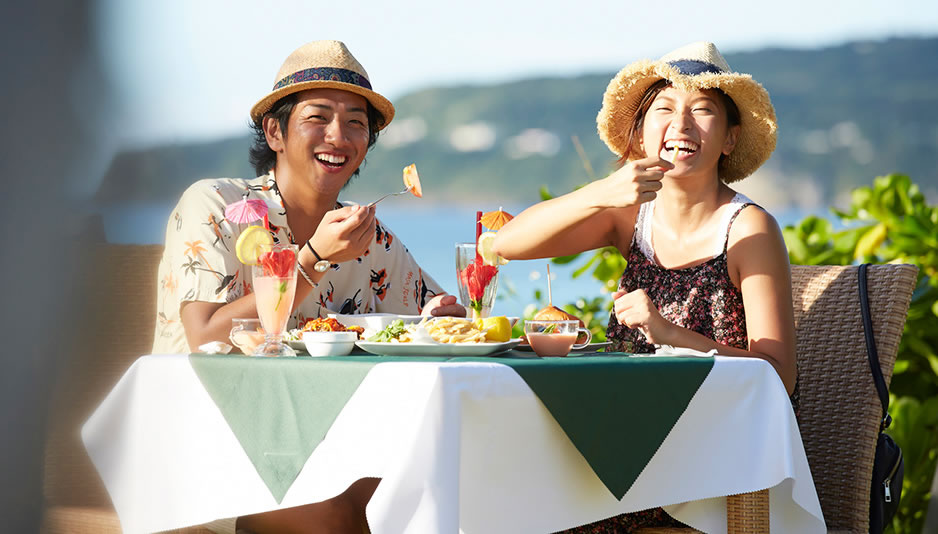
pixel 273 134
pixel 731 137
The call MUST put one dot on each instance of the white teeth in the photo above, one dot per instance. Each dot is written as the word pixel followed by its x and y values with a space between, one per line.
pixel 689 146
pixel 330 158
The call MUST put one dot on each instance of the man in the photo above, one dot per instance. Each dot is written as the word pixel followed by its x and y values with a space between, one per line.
pixel 312 132
pixel 311 135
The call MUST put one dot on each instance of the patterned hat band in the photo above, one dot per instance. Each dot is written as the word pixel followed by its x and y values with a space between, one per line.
pixel 693 67
pixel 324 74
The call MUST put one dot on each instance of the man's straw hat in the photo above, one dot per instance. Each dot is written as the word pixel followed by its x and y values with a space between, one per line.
pixel 322 64
pixel 690 68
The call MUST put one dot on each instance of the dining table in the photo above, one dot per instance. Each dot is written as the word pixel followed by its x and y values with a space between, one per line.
pixel 501 443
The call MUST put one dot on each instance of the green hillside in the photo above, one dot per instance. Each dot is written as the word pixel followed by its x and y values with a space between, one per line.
pixel 846 114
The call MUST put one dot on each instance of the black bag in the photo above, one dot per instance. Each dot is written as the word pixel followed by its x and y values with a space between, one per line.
pixel 888 467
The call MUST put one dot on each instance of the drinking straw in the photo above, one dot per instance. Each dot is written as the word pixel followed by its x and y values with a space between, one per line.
pixel 550 300
pixel 478 233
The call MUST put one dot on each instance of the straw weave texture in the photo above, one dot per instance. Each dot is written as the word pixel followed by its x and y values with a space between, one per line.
pixel 840 409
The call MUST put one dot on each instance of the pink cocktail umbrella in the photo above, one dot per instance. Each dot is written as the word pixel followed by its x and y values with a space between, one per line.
pixel 247 211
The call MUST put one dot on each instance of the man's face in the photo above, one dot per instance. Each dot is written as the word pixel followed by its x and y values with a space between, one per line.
pixel 327 138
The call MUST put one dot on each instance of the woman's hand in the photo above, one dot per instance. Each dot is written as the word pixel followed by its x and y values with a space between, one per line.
pixel 636 182
pixel 344 233
pixel 444 305
pixel 636 310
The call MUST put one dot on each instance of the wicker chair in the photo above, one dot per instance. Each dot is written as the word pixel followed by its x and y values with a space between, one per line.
pixel 117 284
pixel 840 410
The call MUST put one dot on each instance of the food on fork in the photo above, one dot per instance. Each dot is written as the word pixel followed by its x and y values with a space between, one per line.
pixel 411 185
pixel 412 180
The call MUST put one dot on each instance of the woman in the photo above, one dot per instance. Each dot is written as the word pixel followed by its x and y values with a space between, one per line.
pixel 707 268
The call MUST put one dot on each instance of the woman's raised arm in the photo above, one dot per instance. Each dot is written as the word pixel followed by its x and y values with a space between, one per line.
pixel 586 219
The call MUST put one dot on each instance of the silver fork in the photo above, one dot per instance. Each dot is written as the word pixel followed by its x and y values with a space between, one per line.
pixel 406 190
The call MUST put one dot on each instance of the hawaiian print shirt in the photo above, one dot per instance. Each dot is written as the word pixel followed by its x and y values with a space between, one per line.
pixel 199 264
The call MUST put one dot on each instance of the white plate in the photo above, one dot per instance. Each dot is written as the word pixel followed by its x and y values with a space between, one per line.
pixel 437 349
pixel 592 347
pixel 298 346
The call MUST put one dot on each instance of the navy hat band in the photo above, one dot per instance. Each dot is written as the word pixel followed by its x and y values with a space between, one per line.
pixel 692 67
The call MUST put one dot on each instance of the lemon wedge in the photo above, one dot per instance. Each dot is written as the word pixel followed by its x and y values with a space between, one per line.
pixel 486 248
pixel 251 243
pixel 498 328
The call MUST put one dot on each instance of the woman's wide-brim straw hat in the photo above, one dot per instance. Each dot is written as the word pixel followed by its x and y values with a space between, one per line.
pixel 322 65
pixel 693 67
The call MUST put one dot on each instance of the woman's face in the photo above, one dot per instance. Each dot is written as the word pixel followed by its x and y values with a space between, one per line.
pixel 689 129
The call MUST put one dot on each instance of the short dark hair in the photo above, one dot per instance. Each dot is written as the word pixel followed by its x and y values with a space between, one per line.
pixel 732 118
pixel 263 159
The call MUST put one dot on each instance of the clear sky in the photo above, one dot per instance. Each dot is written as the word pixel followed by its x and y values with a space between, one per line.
pixel 190 69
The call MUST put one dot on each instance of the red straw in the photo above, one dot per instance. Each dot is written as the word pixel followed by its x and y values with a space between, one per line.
pixel 266 223
pixel 478 233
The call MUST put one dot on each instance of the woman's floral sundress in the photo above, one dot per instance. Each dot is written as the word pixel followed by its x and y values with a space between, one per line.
pixel 701 298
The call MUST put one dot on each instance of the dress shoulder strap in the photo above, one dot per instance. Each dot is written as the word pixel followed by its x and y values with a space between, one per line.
pixel 642 233
pixel 739 202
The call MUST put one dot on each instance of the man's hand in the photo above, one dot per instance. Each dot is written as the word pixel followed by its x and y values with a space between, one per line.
pixel 444 305
pixel 345 233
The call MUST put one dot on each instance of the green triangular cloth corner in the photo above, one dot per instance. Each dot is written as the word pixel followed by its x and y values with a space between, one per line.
pixel 280 408
pixel 603 400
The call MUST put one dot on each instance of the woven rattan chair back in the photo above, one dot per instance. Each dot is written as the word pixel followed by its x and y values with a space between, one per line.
pixel 117 289
pixel 840 410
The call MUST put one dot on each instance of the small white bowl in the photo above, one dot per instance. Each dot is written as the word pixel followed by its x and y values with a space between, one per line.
pixel 329 343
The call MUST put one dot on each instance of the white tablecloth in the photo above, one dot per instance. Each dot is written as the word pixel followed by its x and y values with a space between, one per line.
pixel 460 447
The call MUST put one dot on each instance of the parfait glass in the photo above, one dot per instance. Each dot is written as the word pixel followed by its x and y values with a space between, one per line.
pixel 477 280
pixel 274 278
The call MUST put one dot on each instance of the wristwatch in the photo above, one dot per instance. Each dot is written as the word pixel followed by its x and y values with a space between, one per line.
pixel 321 265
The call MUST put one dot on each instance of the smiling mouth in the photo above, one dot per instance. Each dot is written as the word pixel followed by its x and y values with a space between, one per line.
pixel 675 148
pixel 333 161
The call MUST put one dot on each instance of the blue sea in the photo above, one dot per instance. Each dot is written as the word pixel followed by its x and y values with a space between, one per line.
pixel 430 234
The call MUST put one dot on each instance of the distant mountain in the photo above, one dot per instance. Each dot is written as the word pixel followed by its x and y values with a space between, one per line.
pixel 846 114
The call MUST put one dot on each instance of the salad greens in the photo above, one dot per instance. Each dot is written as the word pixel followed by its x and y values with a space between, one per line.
pixel 392 331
